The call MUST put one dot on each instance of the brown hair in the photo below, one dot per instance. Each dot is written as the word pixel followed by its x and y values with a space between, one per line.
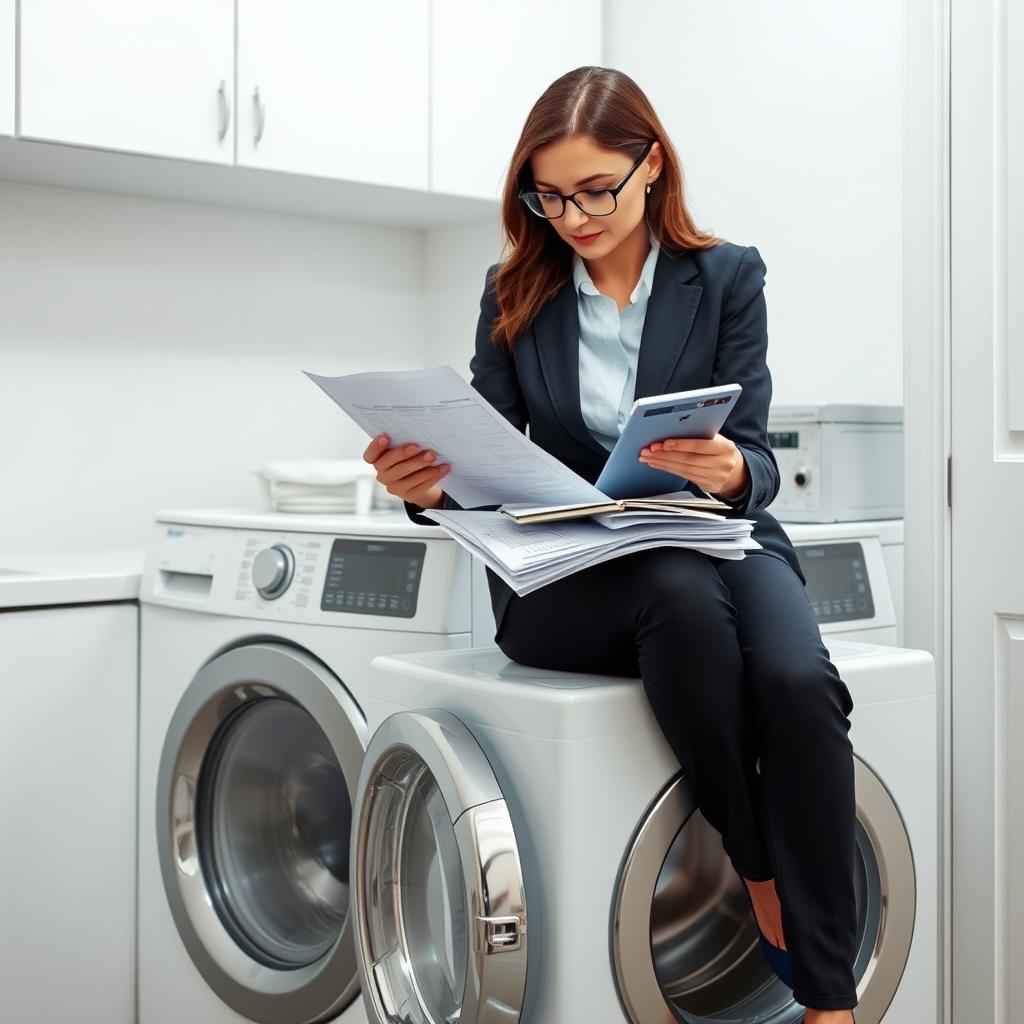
pixel 608 107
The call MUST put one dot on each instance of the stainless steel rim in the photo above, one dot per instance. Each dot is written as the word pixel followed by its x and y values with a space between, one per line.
pixel 635 974
pixel 230 682
pixel 408 748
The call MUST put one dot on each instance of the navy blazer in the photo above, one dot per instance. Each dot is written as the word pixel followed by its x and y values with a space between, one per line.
pixel 706 323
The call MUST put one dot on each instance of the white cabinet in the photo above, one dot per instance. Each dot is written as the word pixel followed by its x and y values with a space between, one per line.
pixel 336 90
pixel 489 65
pixel 68 683
pixel 6 67
pixel 120 74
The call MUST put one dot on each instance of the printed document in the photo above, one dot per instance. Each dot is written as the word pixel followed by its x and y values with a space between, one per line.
pixel 492 462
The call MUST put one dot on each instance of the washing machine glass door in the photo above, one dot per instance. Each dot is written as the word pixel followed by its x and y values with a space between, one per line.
pixel 439 900
pixel 254 819
pixel 684 939
pixel 275 843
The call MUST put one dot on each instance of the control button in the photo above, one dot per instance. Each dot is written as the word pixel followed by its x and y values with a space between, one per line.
pixel 272 571
pixel 802 477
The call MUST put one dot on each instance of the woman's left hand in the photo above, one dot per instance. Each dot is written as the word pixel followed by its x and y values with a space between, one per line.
pixel 714 464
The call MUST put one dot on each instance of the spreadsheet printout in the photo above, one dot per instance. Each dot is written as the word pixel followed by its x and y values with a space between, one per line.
pixel 492 463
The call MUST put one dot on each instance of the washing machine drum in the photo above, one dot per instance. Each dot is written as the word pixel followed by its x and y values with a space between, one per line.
pixel 684 940
pixel 254 818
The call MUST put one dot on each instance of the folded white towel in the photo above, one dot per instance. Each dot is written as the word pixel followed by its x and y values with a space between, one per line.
pixel 322 472
pixel 322 485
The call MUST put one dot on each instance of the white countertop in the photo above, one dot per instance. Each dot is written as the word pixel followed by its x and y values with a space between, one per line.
pixel 33 578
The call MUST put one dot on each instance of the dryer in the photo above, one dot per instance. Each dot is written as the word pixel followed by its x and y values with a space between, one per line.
pixel 257 633
pixel 854 573
pixel 526 848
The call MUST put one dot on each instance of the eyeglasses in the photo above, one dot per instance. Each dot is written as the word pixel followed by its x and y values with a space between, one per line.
pixel 598 202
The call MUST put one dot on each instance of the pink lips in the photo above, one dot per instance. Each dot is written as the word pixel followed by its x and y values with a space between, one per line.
pixel 587 238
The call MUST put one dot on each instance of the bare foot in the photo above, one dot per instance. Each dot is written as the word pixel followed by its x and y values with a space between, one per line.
pixel 828 1016
pixel 768 912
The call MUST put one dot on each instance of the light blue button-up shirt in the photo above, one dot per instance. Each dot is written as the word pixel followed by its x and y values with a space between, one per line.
pixel 609 348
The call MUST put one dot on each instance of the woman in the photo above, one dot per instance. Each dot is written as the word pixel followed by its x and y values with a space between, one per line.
pixel 603 254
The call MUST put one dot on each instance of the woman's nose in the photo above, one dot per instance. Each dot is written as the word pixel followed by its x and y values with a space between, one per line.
pixel 574 219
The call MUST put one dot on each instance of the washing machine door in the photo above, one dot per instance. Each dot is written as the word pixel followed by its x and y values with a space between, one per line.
pixel 254 811
pixel 684 940
pixel 439 900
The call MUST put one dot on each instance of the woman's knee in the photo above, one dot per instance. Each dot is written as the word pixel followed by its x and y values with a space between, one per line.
pixel 682 587
pixel 801 685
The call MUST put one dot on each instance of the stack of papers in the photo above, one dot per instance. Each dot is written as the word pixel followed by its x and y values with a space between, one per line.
pixel 494 464
pixel 528 557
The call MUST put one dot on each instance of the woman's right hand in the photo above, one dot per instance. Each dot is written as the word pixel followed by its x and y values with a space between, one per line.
pixel 407 472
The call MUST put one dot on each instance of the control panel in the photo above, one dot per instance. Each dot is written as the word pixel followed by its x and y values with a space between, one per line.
pixel 797 452
pixel 838 584
pixel 278 569
pixel 375 576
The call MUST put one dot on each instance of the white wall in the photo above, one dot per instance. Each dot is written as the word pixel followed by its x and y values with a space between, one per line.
pixel 787 117
pixel 151 353
pixel 455 262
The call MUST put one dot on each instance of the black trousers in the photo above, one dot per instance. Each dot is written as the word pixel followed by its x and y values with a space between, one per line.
pixel 734 668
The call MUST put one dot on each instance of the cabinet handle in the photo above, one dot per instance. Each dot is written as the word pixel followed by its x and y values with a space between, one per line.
pixel 225 110
pixel 260 111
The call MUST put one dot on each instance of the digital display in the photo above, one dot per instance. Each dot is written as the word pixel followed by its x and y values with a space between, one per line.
pixel 784 438
pixel 685 406
pixel 837 581
pixel 367 577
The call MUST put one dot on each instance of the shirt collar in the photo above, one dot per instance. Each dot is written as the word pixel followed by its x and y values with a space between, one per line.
pixel 583 283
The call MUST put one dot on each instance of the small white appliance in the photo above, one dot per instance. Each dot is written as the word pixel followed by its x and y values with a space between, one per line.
pixel 526 848
pixel 837 462
pixel 257 633
pixel 854 574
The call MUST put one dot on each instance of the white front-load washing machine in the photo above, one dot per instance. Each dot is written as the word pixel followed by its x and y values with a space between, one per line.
pixel 526 847
pixel 257 633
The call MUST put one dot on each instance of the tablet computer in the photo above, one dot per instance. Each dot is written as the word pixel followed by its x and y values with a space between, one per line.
pixel 697 413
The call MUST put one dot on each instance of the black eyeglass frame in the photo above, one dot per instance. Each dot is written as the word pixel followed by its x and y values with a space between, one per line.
pixel 614 192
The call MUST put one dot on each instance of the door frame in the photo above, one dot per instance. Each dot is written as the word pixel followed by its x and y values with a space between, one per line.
pixel 927 396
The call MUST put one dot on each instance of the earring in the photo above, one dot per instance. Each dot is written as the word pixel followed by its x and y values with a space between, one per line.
pixel 648 188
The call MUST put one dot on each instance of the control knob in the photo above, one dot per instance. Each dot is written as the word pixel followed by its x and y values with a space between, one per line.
pixel 272 571
pixel 802 477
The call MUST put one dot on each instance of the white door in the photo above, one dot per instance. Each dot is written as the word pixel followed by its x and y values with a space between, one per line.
pixel 489 64
pixel 336 90
pixel 152 77
pixel 6 67
pixel 987 416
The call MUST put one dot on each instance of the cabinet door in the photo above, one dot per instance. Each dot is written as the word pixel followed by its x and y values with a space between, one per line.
pixel 6 67
pixel 119 74
pixel 489 65
pixel 68 680
pixel 337 90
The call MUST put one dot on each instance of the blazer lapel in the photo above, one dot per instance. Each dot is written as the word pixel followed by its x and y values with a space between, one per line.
pixel 671 309
pixel 556 332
